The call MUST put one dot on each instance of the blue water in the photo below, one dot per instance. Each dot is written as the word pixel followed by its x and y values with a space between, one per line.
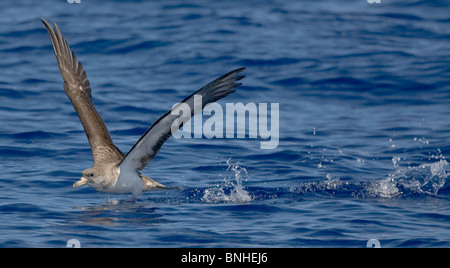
pixel 364 123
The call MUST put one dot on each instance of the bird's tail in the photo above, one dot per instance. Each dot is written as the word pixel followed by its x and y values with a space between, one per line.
pixel 151 184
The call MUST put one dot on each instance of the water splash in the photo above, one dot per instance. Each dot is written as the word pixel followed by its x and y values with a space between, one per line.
pixel 384 188
pixel 423 179
pixel 426 179
pixel 229 191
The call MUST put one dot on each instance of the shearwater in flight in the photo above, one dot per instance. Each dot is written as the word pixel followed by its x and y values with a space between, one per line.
pixel 113 171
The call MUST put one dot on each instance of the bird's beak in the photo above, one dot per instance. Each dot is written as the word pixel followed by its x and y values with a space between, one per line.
pixel 82 181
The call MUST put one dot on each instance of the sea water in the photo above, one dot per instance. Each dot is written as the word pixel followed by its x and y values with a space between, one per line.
pixel 364 140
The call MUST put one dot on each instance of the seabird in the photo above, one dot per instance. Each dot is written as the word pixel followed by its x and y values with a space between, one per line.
pixel 113 171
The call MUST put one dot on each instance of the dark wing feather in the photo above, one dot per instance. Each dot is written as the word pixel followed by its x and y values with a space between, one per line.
pixel 149 144
pixel 76 86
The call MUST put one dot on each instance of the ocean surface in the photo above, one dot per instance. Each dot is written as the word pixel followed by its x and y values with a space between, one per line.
pixel 364 123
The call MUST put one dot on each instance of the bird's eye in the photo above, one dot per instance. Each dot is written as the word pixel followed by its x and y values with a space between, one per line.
pixel 92 174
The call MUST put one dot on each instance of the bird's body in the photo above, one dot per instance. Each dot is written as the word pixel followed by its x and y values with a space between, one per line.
pixel 113 171
pixel 116 180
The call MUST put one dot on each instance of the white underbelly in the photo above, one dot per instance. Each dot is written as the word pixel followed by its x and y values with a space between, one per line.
pixel 128 182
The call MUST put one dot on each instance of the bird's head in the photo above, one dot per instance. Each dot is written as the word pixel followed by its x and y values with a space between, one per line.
pixel 92 177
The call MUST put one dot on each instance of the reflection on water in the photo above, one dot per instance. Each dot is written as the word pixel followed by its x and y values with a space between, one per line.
pixel 108 214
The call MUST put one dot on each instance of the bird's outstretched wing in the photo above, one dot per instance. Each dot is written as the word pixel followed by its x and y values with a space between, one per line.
pixel 149 144
pixel 76 86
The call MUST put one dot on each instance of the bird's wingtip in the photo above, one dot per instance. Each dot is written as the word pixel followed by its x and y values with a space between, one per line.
pixel 44 21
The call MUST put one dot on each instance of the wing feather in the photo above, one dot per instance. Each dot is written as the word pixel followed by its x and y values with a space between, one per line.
pixel 149 144
pixel 77 88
